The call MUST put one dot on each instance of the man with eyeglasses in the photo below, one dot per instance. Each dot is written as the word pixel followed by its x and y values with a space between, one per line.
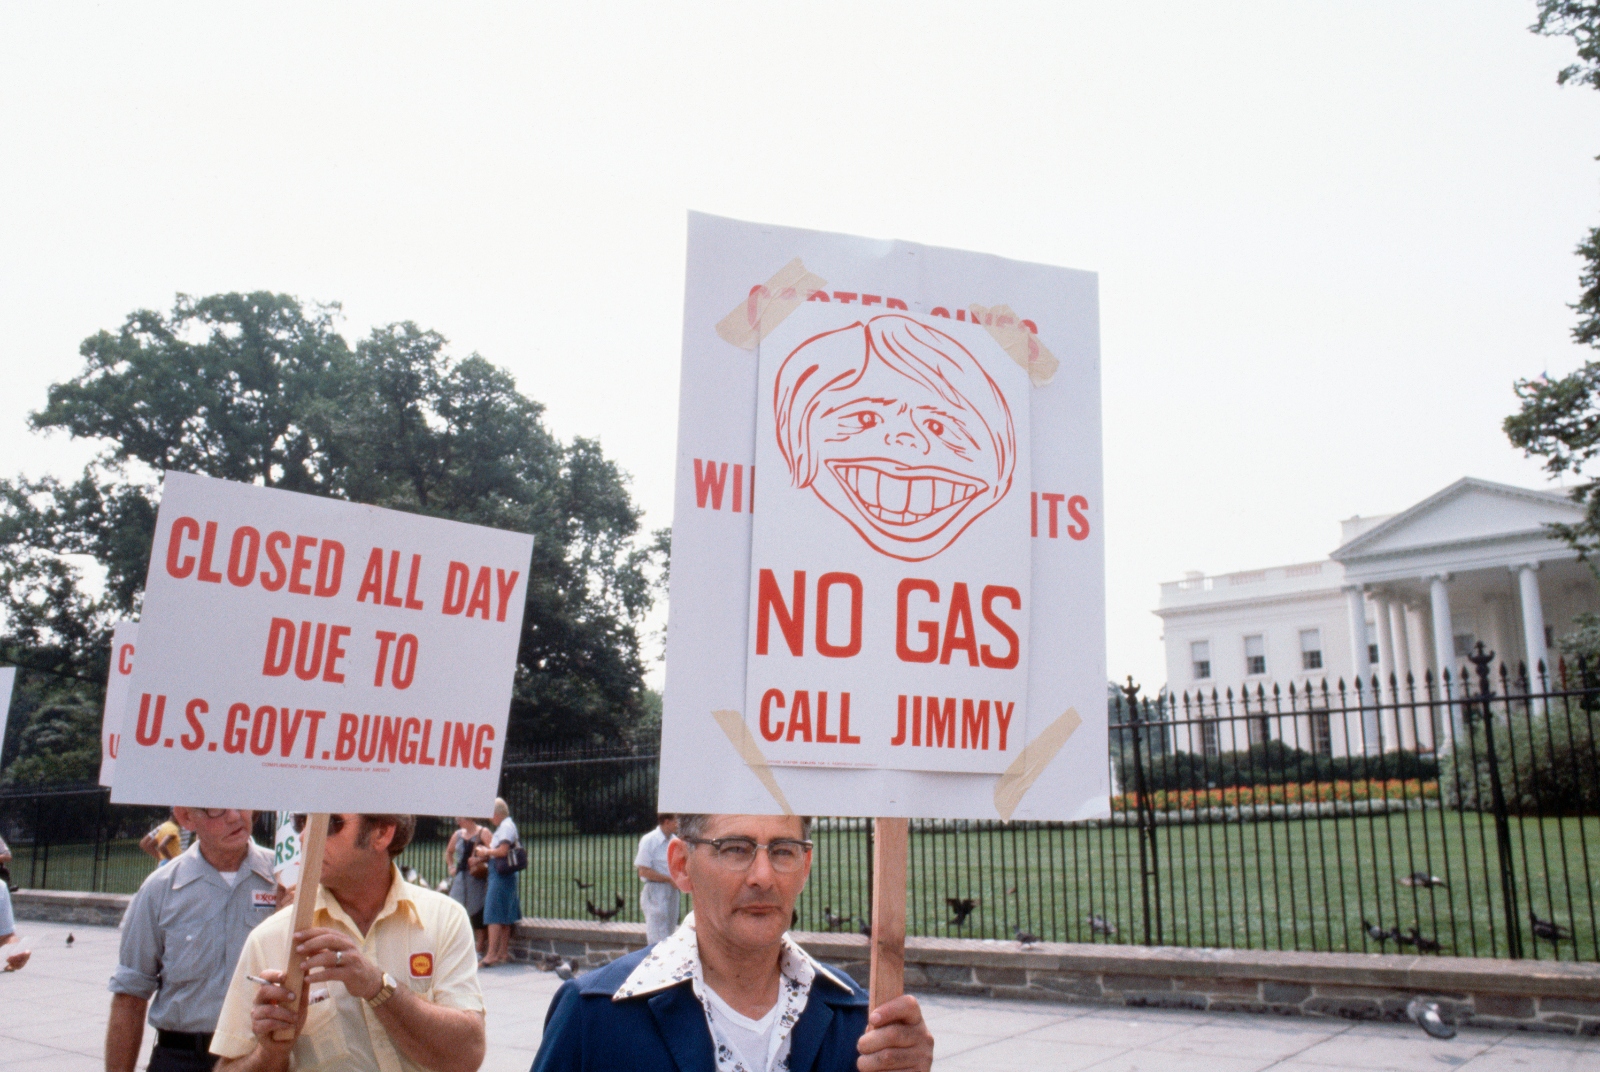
pixel 181 938
pixel 391 981
pixel 729 990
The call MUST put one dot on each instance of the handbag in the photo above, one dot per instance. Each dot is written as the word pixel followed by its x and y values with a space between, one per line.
pixel 515 859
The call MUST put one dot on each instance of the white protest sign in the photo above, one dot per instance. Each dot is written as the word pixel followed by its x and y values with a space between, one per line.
pixel 8 678
pixel 286 851
pixel 124 637
pixel 912 623
pixel 301 649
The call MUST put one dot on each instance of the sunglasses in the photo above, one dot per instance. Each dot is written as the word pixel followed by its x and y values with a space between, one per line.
pixel 335 823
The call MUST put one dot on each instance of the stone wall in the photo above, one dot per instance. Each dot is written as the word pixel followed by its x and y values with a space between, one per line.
pixel 1529 995
pixel 65 906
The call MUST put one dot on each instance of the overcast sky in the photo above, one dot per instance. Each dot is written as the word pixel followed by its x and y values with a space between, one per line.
pixel 1329 236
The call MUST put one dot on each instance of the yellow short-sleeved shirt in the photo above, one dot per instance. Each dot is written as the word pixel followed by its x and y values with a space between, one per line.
pixel 169 840
pixel 421 938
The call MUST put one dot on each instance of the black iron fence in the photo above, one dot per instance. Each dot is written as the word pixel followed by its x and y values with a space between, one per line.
pixel 1457 816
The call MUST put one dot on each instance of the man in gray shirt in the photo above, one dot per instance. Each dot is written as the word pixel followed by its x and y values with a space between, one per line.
pixel 181 939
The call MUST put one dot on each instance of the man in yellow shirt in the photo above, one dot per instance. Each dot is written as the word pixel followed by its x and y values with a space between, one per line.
pixel 164 843
pixel 391 971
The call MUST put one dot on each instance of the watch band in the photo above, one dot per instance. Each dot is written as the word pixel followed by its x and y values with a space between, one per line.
pixel 385 992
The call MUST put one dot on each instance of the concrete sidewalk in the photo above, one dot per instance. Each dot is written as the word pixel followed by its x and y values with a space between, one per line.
pixel 53 1017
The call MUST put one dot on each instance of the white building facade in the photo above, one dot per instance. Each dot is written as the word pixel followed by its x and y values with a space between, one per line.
pixel 1403 594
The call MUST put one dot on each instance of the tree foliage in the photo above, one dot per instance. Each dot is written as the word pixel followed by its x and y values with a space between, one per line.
pixel 262 389
pixel 1559 419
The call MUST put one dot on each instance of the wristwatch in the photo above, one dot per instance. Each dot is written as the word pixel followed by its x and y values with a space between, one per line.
pixel 385 992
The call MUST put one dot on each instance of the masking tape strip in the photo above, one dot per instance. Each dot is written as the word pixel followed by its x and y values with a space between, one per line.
pixel 1035 757
pixel 767 304
pixel 1007 329
pixel 732 723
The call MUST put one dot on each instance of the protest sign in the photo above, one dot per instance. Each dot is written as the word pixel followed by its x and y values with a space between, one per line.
pixel 124 637
pixel 8 678
pixel 286 843
pixel 300 649
pixel 912 621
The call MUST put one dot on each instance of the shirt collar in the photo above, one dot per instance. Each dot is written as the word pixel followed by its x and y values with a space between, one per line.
pixel 190 865
pixel 400 898
pixel 676 959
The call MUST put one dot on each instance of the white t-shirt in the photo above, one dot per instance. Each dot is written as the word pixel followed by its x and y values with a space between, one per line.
pixel 751 1040
pixel 506 831
pixel 230 877
pixel 653 852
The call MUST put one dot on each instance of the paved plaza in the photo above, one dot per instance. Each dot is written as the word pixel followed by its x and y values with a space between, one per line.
pixel 53 1015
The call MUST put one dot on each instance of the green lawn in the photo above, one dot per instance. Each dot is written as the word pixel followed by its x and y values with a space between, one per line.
pixel 1291 884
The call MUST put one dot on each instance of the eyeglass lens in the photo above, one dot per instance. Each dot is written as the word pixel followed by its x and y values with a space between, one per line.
pixel 739 853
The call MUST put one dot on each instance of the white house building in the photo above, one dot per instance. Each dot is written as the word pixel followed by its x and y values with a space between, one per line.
pixel 1402 594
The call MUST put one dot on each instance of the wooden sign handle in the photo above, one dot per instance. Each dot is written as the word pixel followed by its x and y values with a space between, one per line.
pixel 891 845
pixel 305 910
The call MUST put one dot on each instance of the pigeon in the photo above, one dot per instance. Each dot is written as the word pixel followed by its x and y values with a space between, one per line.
pixel 1012 891
pixel 1424 945
pixel 69 938
pixel 1026 939
pixel 835 923
pixel 409 873
pixel 582 885
pixel 1548 929
pixel 563 970
pixel 1379 934
pixel 443 886
pixel 866 929
pixel 1404 939
pixel 608 913
pixel 1426 1015
pixel 1422 880
pixel 962 907
pixel 1100 925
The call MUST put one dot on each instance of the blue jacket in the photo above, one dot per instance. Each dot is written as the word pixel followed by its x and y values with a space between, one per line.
pixel 666 1031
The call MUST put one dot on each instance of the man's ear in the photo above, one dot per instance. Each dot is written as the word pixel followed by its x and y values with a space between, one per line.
pixel 379 836
pixel 184 818
pixel 678 864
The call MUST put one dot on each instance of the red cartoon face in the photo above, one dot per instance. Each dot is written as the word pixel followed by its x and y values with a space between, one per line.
pixel 896 427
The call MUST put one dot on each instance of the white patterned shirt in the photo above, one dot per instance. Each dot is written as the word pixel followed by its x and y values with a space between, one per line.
pixel 677 959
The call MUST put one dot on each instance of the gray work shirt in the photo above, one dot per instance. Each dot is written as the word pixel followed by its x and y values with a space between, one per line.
pixel 183 932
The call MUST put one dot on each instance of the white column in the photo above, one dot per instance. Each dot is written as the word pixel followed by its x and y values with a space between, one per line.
pixel 1400 629
pixel 1380 614
pixel 1444 646
pixel 1532 620
pixel 1405 734
pixel 1356 608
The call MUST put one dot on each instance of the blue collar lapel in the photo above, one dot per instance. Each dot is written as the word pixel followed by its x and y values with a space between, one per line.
pixel 682 1022
pixel 812 1028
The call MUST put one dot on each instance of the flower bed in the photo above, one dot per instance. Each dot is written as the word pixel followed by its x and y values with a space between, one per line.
pixel 1311 792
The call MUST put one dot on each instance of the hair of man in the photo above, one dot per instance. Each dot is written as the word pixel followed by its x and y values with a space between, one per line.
pixel 405 827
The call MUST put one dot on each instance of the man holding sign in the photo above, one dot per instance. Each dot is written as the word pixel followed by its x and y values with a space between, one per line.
pixel 391 970
pixel 729 991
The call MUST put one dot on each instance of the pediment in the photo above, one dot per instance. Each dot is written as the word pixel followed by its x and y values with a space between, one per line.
pixel 1470 511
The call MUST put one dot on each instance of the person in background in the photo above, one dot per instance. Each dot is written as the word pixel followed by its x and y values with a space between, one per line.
pixel 165 842
pixel 658 900
pixel 5 863
pixel 729 989
pixel 391 980
pixel 469 875
pixel 181 937
pixel 15 958
pixel 501 908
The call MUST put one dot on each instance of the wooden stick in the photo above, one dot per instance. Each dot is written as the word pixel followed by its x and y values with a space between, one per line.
pixel 891 842
pixel 305 910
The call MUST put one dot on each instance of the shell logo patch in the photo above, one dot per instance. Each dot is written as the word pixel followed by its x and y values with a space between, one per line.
pixel 421 965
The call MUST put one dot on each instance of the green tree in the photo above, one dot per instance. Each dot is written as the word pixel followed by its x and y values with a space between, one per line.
pixel 59 745
pixel 1559 419
pixel 262 389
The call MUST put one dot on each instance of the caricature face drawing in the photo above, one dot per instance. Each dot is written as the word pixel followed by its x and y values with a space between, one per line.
pixel 898 429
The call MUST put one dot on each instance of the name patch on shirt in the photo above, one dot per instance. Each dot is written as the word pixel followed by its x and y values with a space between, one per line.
pixel 421 965
pixel 264 899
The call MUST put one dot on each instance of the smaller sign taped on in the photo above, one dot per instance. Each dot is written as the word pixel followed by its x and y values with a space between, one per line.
pixel 8 677
pixel 124 637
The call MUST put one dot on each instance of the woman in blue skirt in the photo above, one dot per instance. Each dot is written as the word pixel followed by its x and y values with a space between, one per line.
pixel 501 909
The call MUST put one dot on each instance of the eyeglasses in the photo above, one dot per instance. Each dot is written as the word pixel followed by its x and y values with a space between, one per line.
pixel 335 823
pixel 217 813
pixel 786 855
